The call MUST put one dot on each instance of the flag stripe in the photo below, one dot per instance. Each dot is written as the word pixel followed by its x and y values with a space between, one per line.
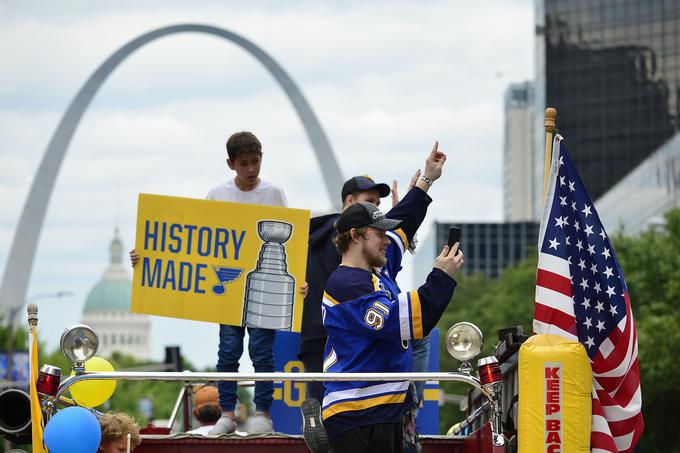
pixel 541 327
pixel 621 427
pixel 555 317
pixel 559 266
pixel 555 299
pixel 628 387
pixel 555 282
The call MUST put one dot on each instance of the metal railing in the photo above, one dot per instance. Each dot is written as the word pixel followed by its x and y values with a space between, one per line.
pixel 491 394
pixel 299 377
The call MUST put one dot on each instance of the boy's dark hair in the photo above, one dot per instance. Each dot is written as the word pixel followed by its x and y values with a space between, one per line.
pixel 342 240
pixel 243 143
pixel 208 413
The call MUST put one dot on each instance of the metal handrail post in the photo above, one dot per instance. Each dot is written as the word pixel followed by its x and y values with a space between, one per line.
pixel 175 409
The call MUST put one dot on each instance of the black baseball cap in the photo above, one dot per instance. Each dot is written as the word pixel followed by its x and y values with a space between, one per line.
pixel 361 183
pixel 364 214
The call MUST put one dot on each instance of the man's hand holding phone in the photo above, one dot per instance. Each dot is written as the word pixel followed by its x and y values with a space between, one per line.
pixel 454 236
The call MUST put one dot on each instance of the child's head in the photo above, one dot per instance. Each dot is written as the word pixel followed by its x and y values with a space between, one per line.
pixel 207 408
pixel 243 143
pixel 245 156
pixel 115 428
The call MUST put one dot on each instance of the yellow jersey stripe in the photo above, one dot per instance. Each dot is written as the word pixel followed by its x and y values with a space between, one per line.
pixel 329 298
pixel 402 236
pixel 376 287
pixel 358 405
pixel 416 316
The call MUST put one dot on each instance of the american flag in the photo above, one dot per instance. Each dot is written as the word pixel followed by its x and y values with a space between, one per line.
pixel 581 294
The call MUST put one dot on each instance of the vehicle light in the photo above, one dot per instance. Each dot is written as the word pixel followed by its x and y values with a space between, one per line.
pixel 464 341
pixel 489 370
pixel 79 343
pixel 48 380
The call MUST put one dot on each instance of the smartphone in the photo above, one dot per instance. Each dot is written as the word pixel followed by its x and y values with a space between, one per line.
pixel 454 236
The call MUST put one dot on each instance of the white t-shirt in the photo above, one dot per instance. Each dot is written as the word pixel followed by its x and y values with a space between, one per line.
pixel 203 430
pixel 265 193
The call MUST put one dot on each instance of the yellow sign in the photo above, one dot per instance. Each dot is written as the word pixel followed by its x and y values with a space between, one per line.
pixel 215 261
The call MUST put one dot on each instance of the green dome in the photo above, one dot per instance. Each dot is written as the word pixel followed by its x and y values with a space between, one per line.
pixel 109 296
pixel 113 291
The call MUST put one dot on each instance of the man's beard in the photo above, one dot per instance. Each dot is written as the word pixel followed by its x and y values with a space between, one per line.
pixel 376 260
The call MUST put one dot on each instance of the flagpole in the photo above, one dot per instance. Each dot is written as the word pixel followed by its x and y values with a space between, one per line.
pixel 36 409
pixel 550 114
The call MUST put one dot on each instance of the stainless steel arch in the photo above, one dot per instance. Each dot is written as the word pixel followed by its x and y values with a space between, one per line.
pixel 20 259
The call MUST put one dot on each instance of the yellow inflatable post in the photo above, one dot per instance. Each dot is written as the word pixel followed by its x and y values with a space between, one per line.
pixel 555 381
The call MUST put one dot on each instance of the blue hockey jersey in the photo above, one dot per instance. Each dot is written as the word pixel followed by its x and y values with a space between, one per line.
pixel 369 324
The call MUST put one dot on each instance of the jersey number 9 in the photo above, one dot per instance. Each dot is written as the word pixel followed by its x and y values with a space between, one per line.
pixel 375 316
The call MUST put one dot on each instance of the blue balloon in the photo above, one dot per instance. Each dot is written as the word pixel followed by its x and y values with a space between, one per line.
pixel 73 430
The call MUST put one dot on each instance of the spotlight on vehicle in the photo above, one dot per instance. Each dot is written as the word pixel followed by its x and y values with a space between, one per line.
pixel 79 343
pixel 464 341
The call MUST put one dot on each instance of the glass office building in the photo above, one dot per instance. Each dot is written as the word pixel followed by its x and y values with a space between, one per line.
pixel 488 247
pixel 611 68
pixel 639 200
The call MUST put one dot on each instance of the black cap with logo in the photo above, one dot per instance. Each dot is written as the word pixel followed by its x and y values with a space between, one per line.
pixel 364 214
pixel 361 183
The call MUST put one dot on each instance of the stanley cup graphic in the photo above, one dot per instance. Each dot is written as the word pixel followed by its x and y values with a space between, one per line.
pixel 269 288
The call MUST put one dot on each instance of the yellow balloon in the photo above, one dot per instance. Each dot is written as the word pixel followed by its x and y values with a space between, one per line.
pixel 92 393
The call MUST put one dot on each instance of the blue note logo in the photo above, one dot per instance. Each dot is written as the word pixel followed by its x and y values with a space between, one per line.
pixel 225 275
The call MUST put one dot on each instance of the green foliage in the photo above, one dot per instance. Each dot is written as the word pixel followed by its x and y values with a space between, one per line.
pixel 651 266
pixel 19 337
pixel 491 305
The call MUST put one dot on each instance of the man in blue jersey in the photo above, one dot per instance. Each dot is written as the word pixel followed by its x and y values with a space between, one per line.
pixel 322 260
pixel 369 323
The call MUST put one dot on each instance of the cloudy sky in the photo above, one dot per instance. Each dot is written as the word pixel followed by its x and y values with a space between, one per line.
pixel 385 79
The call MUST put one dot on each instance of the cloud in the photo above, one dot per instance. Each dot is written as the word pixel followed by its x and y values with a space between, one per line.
pixel 385 79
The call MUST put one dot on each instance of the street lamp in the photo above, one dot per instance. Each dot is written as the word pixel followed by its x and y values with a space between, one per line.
pixel 10 324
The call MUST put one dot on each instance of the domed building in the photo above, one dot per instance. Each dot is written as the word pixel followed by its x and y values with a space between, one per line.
pixel 107 310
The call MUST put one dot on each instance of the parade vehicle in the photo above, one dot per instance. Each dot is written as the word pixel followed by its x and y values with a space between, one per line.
pixel 480 431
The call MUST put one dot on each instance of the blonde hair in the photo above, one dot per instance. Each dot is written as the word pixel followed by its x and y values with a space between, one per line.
pixel 117 425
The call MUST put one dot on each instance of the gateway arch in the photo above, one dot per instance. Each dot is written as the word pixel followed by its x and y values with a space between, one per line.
pixel 22 252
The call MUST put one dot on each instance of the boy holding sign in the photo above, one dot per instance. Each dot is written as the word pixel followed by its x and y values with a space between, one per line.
pixel 244 158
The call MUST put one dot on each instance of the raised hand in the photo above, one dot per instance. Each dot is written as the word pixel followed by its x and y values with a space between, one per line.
pixel 434 163
pixel 395 194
